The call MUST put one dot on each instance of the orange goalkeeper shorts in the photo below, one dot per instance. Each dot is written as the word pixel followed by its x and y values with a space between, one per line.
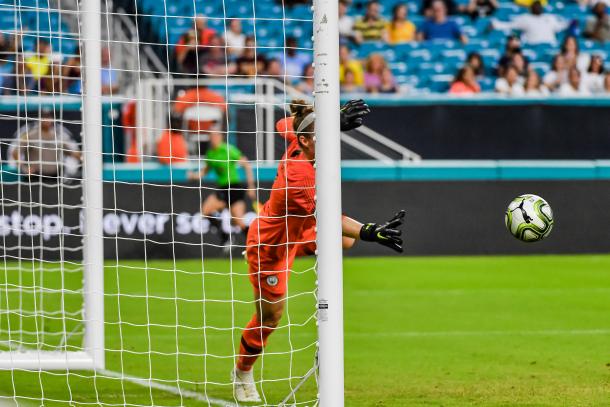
pixel 269 272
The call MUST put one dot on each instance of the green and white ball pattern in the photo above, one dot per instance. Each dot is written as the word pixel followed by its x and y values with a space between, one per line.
pixel 529 218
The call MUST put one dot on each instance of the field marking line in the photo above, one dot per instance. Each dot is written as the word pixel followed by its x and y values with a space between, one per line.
pixel 467 291
pixel 167 388
pixel 154 385
pixel 548 332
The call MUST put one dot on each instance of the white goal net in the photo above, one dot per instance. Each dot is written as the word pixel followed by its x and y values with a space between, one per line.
pixel 139 142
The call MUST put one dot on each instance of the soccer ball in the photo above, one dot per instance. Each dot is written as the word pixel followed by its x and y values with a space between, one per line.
pixel 529 218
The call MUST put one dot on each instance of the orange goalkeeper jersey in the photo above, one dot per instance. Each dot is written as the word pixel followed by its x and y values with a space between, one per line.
pixel 279 231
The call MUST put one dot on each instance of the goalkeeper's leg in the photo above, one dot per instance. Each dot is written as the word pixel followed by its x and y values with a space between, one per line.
pixel 253 341
pixel 257 331
pixel 270 292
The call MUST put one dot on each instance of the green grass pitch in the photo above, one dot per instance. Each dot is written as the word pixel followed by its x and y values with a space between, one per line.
pixel 453 331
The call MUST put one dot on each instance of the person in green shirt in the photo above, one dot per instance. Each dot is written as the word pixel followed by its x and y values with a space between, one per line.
pixel 223 159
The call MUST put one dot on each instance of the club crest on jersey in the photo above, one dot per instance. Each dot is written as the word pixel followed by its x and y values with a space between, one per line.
pixel 272 281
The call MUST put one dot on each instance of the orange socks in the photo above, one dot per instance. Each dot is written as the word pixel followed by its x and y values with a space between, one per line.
pixel 253 340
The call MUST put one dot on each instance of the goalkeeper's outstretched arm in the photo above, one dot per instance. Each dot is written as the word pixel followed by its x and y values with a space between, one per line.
pixel 387 234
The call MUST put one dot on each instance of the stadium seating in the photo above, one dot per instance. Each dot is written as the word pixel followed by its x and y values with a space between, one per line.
pixel 427 66
pixel 419 65
pixel 34 20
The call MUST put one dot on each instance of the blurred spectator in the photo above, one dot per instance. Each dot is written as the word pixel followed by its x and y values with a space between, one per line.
pixel 4 44
pixel 593 79
pixel 39 62
pixel 480 8
pixel 20 80
pixel 306 84
pixel 201 107
pixel 110 77
pixel 400 29
pixel 536 27
pixel 193 44
pixel 388 82
pixel 510 83
pixel 235 39
pixel 375 64
pixel 427 7
pixel 42 149
pixel 187 53
pixel 520 63
pixel 530 3
pixel 52 82
pixel 474 61
pixel 597 26
pixel 349 84
pixel 533 85
pixel 439 27
pixel 346 62
pixel 572 55
pixel 558 73
pixel 574 86
pixel 246 63
pixel 513 46
pixel 346 25
pixel 372 25
pixel 172 147
pixel 214 61
pixel 273 69
pixel 295 61
pixel 71 73
pixel 7 65
pixel 128 122
pixel 465 82
pixel 606 88
pixel 261 64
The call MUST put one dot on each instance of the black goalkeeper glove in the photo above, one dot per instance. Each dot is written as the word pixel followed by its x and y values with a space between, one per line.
pixel 387 234
pixel 352 114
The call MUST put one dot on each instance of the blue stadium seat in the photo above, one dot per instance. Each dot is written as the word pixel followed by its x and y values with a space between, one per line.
pixel 398 68
pixel 487 84
pixel 530 54
pixel 419 56
pixel 440 83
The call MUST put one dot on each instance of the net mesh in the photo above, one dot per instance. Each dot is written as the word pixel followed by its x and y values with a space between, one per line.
pixel 192 91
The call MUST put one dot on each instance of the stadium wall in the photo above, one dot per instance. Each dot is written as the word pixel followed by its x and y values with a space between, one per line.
pixel 436 127
pixel 497 129
pixel 443 218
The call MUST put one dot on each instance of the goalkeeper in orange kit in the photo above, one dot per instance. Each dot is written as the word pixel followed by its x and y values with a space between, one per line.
pixel 285 228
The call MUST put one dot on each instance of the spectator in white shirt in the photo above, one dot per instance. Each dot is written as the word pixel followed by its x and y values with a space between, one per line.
pixel 533 85
pixel 346 24
pixel 593 78
pixel 606 88
pixel 510 84
pixel 572 55
pixel 574 87
pixel 235 38
pixel 558 73
pixel 536 27
pixel 295 61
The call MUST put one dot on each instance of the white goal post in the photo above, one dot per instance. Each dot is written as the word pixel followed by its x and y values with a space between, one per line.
pixel 328 188
pixel 92 355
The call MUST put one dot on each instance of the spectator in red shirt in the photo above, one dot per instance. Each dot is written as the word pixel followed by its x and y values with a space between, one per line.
pixel 465 82
pixel 128 122
pixel 200 97
pixel 193 44
pixel 172 147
